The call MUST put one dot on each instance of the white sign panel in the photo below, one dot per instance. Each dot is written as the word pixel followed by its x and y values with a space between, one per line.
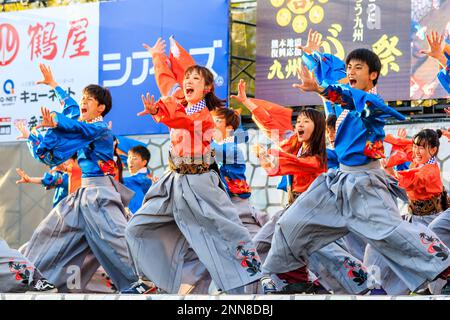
pixel 65 38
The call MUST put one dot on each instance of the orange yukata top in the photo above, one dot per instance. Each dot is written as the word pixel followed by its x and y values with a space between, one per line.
pixel 275 122
pixel 421 182
pixel 191 133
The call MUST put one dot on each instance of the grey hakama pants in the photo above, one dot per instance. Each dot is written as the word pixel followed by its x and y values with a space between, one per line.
pixel 356 200
pixel 182 211
pixel 441 226
pixel 336 269
pixel 250 217
pixel 91 220
pixel 390 282
pixel 16 272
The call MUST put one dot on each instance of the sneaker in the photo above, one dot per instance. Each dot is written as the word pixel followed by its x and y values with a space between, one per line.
pixel 377 292
pixel 421 292
pixel 299 287
pixel 141 287
pixel 319 289
pixel 268 285
pixel 42 286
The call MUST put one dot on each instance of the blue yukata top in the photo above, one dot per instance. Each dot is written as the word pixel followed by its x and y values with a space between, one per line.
pixel 59 181
pixel 444 75
pixel 139 183
pixel 361 116
pixel 230 160
pixel 93 141
pixel 125 144
pixel 70 108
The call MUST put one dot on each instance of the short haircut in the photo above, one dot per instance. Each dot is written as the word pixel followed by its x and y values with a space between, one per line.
pixel 101 94
pixel 367 56
pixel 142 152
pixel 331 121
pixel 231 117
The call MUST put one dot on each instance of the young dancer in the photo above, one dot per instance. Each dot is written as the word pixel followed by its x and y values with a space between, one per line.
pixel 232 166
pixel 423 184
pixel 139 182
pixel 187 208
pixel 92 220
pixel 302 155
pixel 355 198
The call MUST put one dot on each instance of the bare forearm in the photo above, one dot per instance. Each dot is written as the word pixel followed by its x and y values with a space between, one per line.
pixel 249 104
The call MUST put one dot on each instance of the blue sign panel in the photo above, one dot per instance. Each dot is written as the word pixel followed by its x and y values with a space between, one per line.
pixel 125 67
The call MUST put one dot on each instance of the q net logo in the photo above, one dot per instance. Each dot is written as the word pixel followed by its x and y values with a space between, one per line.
pixel 9 44
pixel 8 87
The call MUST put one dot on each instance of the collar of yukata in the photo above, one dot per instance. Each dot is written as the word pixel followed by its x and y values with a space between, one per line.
pixel 373 91
pixel 97 119
pixel 142 170
pixel 228 139
pixel 432 160
pixel 300 152
pixel 196 107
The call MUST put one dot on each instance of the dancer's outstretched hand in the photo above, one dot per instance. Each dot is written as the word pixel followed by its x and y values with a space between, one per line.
pixel 434 45
pixel 47 119
pixel 241 96
pixel 401 133
pixel 24 178
pixel 309 82
pixel 158 47
pixel 24 133
pixel 149 105
pixel 313 43
pixel 446 133
pixel 47 75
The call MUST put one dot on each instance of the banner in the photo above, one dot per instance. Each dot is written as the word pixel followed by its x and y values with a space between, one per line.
pixel 101 43
pixel 380 25
pixel 66 38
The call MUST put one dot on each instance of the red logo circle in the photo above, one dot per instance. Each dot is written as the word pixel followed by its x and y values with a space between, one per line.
pixel 9 43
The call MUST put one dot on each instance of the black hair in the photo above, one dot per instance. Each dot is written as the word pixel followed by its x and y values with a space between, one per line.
pixel 142 152
pixel 101 94
pixel 367 56
pixel 231 116
pixel 212 101
pixel 317 145
pixel 331 121
pixel 428 138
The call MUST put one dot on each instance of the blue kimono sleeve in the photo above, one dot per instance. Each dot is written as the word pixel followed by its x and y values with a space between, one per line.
pixel 332 159
pixel 444 75
pixel 70 109
pixel 327 68
pixel 365 103
pixel 52 180
pixel 63 141
pixel 84 130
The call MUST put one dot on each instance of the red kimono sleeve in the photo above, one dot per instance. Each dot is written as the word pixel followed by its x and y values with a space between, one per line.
pixel 274 120
pixel 421 183
pixel 401 150
pixel 288 164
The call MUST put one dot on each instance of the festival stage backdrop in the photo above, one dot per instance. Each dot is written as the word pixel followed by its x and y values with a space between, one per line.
pixel 384 26
pixel 102 43
pixel 427 15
